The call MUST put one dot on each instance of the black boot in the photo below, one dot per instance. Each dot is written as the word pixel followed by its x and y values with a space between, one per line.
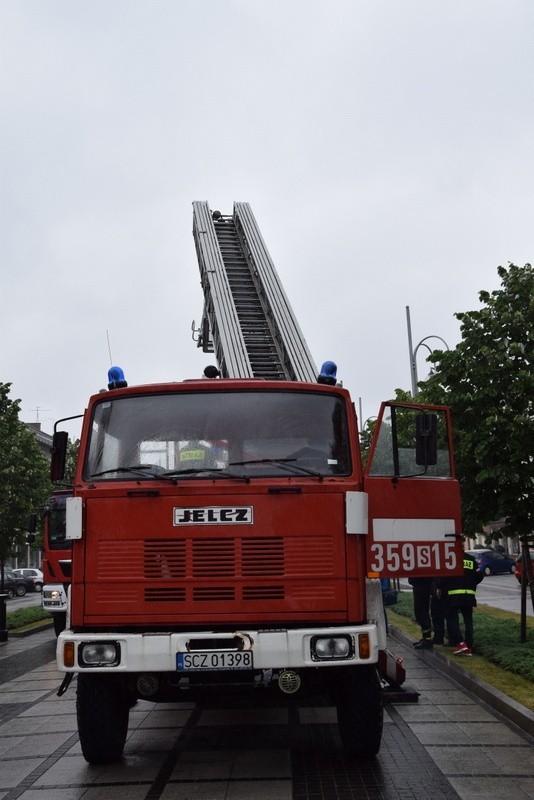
pixel 423 644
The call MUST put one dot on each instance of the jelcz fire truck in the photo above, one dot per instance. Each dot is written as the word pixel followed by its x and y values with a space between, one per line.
pixel 57 560
pixel 225 533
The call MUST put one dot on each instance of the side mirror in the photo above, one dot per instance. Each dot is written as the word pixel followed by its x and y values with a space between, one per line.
pixel 32 528
pixel 32 523
pixel 59 455
pixel 426 440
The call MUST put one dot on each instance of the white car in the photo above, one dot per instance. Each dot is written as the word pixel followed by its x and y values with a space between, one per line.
pixel 34 575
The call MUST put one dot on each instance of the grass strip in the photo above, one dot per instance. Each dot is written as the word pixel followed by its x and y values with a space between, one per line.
pixel 25 616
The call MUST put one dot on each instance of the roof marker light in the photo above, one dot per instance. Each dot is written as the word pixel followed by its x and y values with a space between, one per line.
pixel 328 373
pixel 116 379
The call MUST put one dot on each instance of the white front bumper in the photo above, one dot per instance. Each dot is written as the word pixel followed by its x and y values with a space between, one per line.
pixel 272 649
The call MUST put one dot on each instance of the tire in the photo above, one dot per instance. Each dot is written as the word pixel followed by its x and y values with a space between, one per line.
pixel 38 587
pixel 20 591
pixel 102 711
pixel 512 569
pixel 487 571
pixel 10 594
pixel 360 715
pixel 60 622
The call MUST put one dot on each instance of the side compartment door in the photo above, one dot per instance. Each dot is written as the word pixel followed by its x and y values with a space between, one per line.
pixel 414 499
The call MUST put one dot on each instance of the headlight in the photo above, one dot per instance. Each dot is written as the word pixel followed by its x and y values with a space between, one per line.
pixel 99 654
pixel 327 648
pixel 53 595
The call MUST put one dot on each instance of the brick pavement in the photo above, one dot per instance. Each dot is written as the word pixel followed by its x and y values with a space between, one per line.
pixel 447 745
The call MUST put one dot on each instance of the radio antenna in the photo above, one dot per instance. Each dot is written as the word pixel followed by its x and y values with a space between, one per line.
pixel 109 349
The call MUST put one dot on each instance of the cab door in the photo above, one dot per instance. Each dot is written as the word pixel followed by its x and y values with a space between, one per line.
pixel 415 527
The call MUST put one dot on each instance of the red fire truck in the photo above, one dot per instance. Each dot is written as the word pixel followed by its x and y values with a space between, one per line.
pixel 57 559
pixel 224 531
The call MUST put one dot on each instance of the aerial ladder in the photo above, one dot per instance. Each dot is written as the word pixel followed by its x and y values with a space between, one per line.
pixel 247 321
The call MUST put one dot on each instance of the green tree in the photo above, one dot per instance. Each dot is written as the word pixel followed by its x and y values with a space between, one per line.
pixel 24 481
pixel 488 381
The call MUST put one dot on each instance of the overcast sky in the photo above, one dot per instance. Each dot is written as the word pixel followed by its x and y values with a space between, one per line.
pixel 385 147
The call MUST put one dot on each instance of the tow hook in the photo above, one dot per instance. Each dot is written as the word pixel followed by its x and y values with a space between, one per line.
pixel 65 683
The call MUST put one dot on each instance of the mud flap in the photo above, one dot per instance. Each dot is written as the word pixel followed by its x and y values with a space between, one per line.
pixel 390 668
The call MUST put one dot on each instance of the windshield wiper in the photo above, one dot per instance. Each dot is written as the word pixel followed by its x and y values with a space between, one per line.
pixel 139 468
pixel 284 463
pixel 220 473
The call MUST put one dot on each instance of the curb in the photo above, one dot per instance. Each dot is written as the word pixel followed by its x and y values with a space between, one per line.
pixel 37 627
pixel 515 712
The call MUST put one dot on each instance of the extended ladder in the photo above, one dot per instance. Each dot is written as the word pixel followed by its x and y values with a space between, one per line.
pixel 247 320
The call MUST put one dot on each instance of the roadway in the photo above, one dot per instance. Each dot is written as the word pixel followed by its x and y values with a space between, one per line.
pixel 504 592
pixel 447 744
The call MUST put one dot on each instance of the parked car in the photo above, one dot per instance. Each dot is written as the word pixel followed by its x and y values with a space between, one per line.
pixel 34 575
pixel 13 585
pixel 490 562
pixel 519 565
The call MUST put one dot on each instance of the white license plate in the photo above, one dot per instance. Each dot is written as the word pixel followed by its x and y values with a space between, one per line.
pixel 212 659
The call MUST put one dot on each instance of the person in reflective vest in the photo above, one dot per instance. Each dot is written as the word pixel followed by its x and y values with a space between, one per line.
pixel 459 592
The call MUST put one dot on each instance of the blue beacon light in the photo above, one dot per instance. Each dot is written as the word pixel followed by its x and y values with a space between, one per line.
pixel 328 373
pixel 116 379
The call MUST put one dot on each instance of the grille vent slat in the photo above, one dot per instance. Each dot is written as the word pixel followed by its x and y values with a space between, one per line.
pixel 164 559
pixel 164 593
pixel 119 558
pixel 263 593
pixel 214 557
pixel 263 557
pixel 213 593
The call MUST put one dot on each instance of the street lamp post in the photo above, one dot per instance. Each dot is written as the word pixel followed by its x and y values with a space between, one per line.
pixel 413 351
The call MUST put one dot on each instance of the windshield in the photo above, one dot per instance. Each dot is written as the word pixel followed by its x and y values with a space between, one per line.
pixel 234 434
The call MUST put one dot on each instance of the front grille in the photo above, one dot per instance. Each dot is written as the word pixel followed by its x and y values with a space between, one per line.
pixel 219 570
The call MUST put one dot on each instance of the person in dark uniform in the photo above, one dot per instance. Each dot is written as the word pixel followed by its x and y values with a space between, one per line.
pixel 459 593
pixel 422 590
pixel 438 614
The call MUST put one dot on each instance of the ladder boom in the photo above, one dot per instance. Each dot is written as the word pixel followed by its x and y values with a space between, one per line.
pixel 254 332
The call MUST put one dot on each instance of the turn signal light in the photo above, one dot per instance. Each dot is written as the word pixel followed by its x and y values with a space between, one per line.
pixel 364 645
pixel 68 654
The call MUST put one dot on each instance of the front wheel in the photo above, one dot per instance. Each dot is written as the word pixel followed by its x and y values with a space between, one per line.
pixel 487 571
pixel 38 587
pixel 21 591
pixel 513 569
pixel 360 715
pixel 102 709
